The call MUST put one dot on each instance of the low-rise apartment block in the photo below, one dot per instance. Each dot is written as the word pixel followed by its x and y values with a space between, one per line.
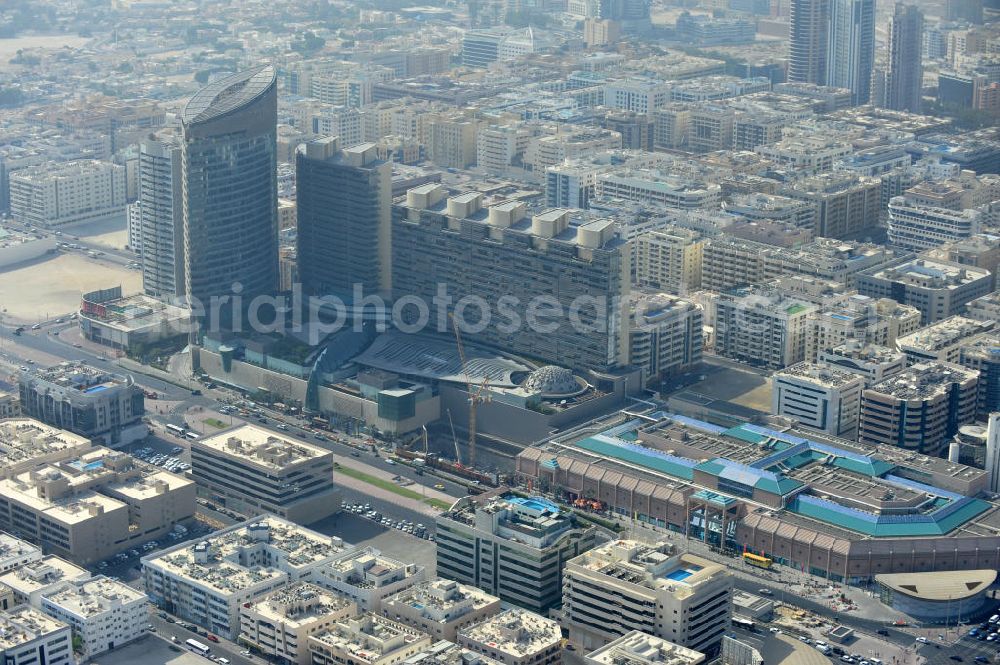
pixel 103 613
pixel 440 608
pixel 515 637
pixel 369 639
pixel 665 337
pixel 921 408
pixel 253 470
pixel 104 407
pixel 939 289
pixel 28 637
pixel 449 653
pixel 917 227
pixel 762 327
pixel 53 194
pixel 95 505
pixel 367 577
pixel 511 547
pixel 626 585
pixel 861 320
pixel 819 397
pixel 279 624
pixel 15 552
pixel 208 582
pixel 871 362
pixel 32 581
pixel 943 340
pixel 10 405
pixel 638 648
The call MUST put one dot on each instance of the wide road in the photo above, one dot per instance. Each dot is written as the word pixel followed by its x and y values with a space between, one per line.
pixel 861 624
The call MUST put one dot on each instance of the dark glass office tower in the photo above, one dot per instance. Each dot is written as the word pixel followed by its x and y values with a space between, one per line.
pixel 343 206
pixel 905 74
pixel 230 186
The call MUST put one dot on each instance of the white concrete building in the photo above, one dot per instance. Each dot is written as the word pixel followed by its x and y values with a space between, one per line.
pixel 369 639
pixel 104 614
pixel 943 340
pixel 762 327
pixel 26 443
pixel 917 227
pixel 440 607
pixel 35 579
pixel 15 552
pixel 279 624
pixel 638 648
pixel 640 95
pixel 207 582
pixel 871 362
pixel 819 397
pixel 53 194
pixel 655 186
pixel 367 577
pixel 515 637
pixel 626 585
pixel 665 336
pixel 28 637
pixel 993 452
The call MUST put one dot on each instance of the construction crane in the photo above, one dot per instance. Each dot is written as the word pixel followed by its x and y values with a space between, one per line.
pixel 477 395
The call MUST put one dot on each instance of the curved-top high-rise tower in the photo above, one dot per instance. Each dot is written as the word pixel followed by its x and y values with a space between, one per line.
pixel 230 199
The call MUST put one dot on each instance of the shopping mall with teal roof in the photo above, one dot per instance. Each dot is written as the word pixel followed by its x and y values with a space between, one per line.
pixel 828 506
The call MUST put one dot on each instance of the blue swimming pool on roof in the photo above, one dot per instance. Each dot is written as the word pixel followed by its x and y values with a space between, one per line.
pixel 679 575
pixel 535 503
pixel 95 389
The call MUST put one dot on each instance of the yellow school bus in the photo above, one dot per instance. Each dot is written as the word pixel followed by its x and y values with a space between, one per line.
pixel 757 560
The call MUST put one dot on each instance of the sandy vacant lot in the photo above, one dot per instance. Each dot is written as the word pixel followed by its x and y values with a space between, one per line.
pixel 52 288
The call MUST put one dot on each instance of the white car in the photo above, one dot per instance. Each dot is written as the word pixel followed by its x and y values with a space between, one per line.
pixel 922 639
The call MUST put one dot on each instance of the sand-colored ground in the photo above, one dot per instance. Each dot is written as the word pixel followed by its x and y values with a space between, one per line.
pixel 53 288
pixel 112 239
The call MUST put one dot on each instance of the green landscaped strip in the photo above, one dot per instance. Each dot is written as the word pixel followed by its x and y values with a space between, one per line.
pixel 390 486
pixel 215 422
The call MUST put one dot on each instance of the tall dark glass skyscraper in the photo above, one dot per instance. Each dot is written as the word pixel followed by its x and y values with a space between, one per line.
pixel 904 75
pixel 230 191
pixel 851 47
pixel 807 41
pixel 343 207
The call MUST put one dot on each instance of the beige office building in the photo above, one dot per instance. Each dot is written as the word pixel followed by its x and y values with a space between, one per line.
pixel 26 443
pixel 440 607
pixel 626 585
pixel 89 508
pixel 279 624
pixel 254 470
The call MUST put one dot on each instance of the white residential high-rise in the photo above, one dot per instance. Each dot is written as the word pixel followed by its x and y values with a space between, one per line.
pixel 993 451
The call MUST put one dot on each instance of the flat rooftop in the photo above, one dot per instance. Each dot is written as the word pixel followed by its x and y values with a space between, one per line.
pixel 300 604
pixel 829 485
pixel 24 624
pixel 516 632
pixel 638 648
pixel 262 447
pixel 655 567
pixel 23 440
pixel 38 575
pixel 216 562
pixel 94 596
pixel 819 374
pixel 944 334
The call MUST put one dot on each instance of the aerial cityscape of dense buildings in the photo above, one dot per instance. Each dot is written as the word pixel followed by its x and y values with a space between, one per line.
pixel 521 332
